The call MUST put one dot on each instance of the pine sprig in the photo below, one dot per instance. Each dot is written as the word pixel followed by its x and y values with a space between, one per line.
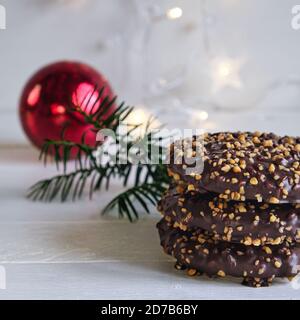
pixel 149 180
pixel 144 194
pixel 62 150
pixel 60 186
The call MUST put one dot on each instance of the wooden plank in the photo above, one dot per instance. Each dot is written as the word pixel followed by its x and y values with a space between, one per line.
pixel 20 169
pixel 126 280
pixel 79 242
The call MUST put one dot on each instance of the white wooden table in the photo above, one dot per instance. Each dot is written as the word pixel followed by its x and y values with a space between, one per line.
pixel 68 251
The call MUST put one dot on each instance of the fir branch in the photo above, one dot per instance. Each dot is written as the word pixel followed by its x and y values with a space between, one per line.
pixel 150 180
pixel 60 186
pixel 143 195
pixel 62 150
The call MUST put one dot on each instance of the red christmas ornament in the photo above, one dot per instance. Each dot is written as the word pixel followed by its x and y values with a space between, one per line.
pixel 48 94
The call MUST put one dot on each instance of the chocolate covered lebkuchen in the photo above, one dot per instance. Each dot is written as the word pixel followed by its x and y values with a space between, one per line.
pixel 240 215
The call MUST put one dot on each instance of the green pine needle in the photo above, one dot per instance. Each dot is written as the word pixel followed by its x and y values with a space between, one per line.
pixel 149 180
pixel 145 195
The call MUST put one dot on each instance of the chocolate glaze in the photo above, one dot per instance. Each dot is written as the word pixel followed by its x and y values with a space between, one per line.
pixel 256 265
pixel 243 165
pixel 247 222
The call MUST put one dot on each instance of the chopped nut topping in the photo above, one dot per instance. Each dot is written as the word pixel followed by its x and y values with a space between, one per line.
pixel 256 140
pixel 205 251
pixel 192 272
pixel 247 241
pixel 253 181
pixel 258 197
pixel 256 242
pixel 226 168
pixel 277 264
pixel 231 216
pixel 267 249
pixel 191 187
pixel 268 143
pixel 277 241
pixel 297 147
pixel 271 168
pixel 274 200
pixel 261 270
pixel 236 169
pixel 221 273
pixel 241 207
pixel 176 176
pixel 242 166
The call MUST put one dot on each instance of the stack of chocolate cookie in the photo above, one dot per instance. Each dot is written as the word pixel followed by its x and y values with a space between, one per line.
pixel 239 216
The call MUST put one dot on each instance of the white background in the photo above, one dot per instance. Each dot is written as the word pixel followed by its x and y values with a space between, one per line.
pixel 136 49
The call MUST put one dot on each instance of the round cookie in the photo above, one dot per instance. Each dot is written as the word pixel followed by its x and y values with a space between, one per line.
pixel 240 165
pixel 249 222
pixel 258 266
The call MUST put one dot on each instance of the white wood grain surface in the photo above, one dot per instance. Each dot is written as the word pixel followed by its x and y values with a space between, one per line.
pixel 64 251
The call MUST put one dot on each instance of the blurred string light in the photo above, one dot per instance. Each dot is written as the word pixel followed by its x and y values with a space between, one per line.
pixel 199 119
pixel 142 117
pixel 202 115
pixel 174 13
pixel 226 73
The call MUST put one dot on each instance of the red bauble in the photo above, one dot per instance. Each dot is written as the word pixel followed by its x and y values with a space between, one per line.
pixel 46 98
